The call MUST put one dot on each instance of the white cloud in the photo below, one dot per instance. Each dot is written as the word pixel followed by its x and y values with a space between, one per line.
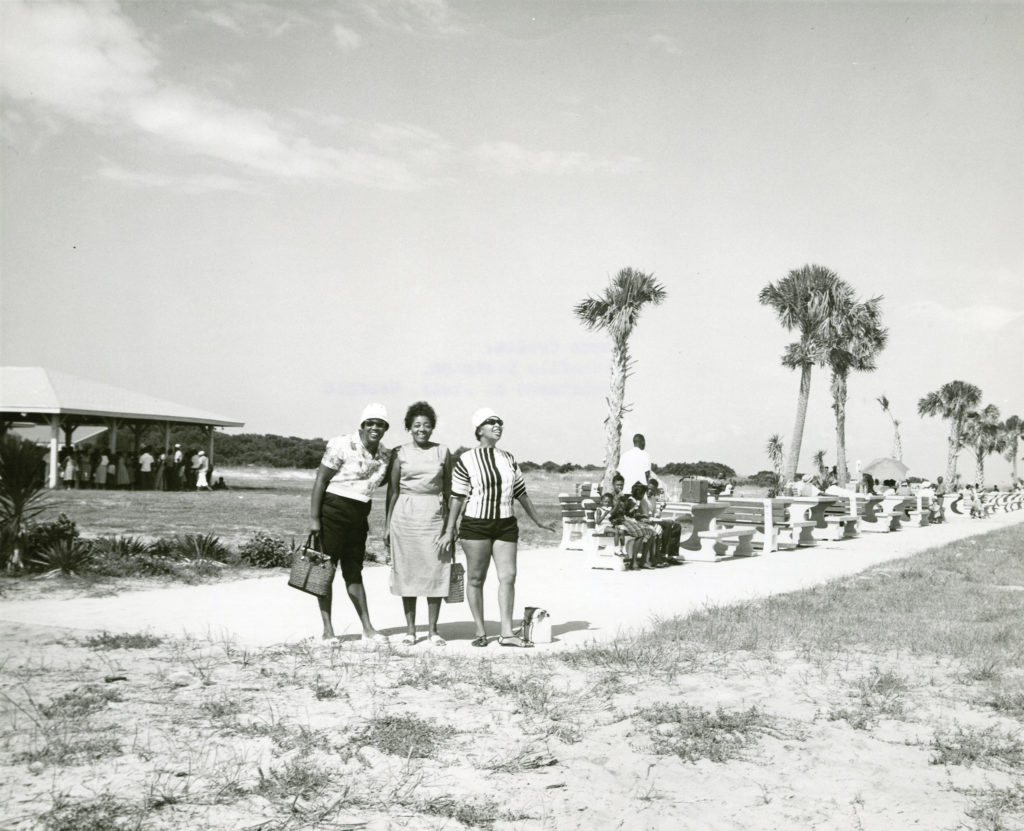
pixel 90 64
pixel 506 158
pixel 218 17
pixel 183 183
pixel 979 318
pixel 425 17
pixel 347 39
pixel 665 43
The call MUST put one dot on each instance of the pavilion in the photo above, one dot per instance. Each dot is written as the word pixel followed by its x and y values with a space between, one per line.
pixel 34 395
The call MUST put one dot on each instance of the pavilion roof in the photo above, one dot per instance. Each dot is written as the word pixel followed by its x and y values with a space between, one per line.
pixel 32 393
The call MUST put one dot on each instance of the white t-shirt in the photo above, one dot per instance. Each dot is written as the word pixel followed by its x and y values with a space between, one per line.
pixel 146 462
pixel 634 466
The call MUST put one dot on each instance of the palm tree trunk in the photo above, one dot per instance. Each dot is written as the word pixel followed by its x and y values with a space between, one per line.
pixel 954 444
pixel 980 459
pixel 616 408
pixel 793 459
pixel 897 445
pixel 839 408
pixel 1013 458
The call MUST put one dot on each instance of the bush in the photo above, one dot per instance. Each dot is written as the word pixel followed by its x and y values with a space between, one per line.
pixel 66 556
pixel 202 547
pixel 133 557
pixel 44 534
pixel 264 550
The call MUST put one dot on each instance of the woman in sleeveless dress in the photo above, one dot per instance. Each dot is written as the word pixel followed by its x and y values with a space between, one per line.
pixel 415 527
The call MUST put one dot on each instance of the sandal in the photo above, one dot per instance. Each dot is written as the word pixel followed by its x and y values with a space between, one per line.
pixel 378 638
pixel 479 641
pixel 437 640
pixel 408 640
pixel 514 640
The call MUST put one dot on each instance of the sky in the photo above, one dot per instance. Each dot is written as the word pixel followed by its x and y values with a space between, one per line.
pixel 280 212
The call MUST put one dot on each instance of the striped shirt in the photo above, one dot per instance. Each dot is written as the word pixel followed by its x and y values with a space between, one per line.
pixel 491 479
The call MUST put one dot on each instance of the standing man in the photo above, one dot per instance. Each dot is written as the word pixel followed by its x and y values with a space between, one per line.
pixel 146 461
pixel 635 464
pixel 350 471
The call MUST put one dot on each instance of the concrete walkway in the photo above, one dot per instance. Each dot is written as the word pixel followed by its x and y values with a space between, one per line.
pixel 585 604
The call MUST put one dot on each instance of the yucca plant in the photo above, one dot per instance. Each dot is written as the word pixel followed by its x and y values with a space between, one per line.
pixel 68 557
pixel 21 493
pixel 201 547
pixel 127 546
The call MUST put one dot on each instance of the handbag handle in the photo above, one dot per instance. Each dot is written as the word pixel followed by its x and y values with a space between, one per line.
pixel 313 541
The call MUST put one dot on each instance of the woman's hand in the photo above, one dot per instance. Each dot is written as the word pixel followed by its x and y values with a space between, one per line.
pixel 548 526
pixel 445 547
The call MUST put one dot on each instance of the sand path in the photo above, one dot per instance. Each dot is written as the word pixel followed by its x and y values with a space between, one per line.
pixel 585 604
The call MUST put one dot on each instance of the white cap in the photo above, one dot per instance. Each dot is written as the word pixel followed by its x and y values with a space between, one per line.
pixel 202 452
pixel 481 415
pixel 375 410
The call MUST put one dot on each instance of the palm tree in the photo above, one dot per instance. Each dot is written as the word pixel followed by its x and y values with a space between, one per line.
pixel 823 477
pixel 616 311
pixel 1013 432
pixel 775 453
pixel 857 338
pixel 952 401
pixel 806 300
pixel 22 491
pixel 983 434
pixel 897 445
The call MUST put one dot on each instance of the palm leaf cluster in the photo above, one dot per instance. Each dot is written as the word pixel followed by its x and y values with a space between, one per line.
pixel 835 329
pixel 616 311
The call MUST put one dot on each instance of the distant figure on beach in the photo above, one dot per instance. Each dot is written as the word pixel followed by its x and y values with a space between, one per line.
pixel 220 484
pixel 352 468
pixel 70 473
pixel 415 526
pixel 146 462
pixel 485 481
pixel 202 484
pixel 635 463
pixel 99 477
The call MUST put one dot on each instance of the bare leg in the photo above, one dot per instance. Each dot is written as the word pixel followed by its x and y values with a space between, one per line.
pixel 325 614
pixel 478 558
pixel 433 613
pixel 409 607
pixel 505 565
pixel 357 595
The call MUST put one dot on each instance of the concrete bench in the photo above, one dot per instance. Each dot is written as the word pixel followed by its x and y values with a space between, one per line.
pixel 842 520
pixel 920 516
pixel 775 526
pixel 707 541
pixel 892 514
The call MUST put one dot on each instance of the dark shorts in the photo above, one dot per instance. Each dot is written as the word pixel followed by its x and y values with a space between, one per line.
pixel 343 529
pixel 505 530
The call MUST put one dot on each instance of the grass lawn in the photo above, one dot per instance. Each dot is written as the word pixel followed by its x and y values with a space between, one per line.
pixel 890 699
pixel 264 499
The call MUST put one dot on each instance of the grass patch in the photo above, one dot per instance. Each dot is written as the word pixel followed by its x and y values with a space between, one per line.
pixel 104 813
pixel 474 812
pixel 81 702
pixel 65 748
pixel 998 809
pixel 134 640
pixel 879 694
pixel 1008 703
pixel 404 735
pixel 300 776
pixel 692 733
pixel 991 746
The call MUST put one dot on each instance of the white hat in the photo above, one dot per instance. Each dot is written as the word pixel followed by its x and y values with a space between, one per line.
pixel 807 478
pixel 177 445
pixel 202 452
pixel 375 411
pixel 481 415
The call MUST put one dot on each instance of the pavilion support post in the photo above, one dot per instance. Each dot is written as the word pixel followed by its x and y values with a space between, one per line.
pixel 69 433
pixel 167 437
pixel 54 444
pixel 210 451
pixel 112 425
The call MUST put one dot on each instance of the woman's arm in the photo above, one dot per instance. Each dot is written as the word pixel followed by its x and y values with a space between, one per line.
pixel 394 488
pixel 455 507
pixel 526 502
pixel 316 501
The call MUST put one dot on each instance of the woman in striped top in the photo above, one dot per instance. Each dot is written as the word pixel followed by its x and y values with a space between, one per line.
pixel 485 481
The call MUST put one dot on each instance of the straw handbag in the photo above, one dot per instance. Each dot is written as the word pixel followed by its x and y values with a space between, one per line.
pixel 457 583
pixel 312 570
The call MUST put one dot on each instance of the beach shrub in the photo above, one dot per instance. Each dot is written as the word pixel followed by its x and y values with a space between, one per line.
pixel 66 556
pixel 22 494
pixel 202 547
pixel 42 535
pixel 265 550
pixel 132 557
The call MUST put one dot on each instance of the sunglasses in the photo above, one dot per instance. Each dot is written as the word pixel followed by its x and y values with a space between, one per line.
pixel 380 425
pixel 492 422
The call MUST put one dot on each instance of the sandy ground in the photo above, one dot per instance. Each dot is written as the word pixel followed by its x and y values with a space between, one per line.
pixel 585 604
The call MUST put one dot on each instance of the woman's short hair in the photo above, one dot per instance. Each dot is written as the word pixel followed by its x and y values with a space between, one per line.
pixel 420 408
pixel 618 477
pixel 638 489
